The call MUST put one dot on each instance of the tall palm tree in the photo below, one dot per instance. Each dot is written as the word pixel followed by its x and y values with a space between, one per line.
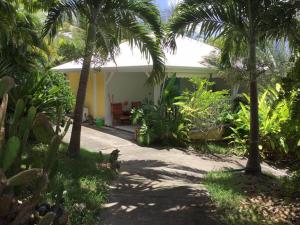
pixel 240 23
pixel 108 23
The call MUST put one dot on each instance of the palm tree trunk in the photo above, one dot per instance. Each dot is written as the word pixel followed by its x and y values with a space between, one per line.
pixel 253 164
pixel 74 146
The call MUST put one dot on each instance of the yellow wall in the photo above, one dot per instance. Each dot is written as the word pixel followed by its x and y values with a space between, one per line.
pixel 73 78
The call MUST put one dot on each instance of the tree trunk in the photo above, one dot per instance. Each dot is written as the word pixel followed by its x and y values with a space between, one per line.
pixel 74 146
pixel 253 165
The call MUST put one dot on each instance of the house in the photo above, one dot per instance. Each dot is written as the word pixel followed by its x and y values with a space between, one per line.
pixel 125 81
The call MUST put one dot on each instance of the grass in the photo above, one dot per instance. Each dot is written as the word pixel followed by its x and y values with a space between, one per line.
pixel 79 186
pixel 244 200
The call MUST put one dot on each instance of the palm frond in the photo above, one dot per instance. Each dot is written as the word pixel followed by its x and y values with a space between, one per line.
pixel 210 19
pixel 7 18
pixel 138 35
pixel 5 68
pixel 229 19
pixel 107 42
pixel 63 10
pixel 144 10
pixel 280 21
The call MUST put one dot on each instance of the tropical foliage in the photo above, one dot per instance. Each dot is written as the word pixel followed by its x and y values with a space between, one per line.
pixel 291 87
pixel 21 48
pixel 45 91
pixel 202 106
pixel 162 123
pixel 243 25
pixel 19 181
pixel 274 114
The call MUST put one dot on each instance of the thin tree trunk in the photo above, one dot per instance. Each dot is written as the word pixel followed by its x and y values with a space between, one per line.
pixel 74 146
pixel 253 164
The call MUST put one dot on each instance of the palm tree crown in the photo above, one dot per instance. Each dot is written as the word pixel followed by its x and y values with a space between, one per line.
pixel 109 22
pixel 229 19
pixel 115 21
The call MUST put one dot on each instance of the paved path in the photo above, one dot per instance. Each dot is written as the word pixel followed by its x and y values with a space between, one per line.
pixel 156 186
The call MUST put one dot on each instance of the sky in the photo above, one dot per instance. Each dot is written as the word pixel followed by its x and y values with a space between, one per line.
pixel 164 5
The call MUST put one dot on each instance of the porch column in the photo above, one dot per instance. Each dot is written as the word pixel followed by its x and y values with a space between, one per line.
pixel 95 99
pixel 156 91
pixel 108 118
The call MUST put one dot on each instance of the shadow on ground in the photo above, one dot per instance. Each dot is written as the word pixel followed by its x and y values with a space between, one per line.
pixel 157 193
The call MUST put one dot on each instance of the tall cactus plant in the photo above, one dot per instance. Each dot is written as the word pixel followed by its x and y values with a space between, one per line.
pixel 17 209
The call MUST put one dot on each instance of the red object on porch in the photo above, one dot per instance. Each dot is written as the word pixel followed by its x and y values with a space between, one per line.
pixel 136 105
pixel 118 115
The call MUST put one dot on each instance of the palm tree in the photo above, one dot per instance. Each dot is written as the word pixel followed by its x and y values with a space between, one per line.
pixel 108 23
pixel 241 23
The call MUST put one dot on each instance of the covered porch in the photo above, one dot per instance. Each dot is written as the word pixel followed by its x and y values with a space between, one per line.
pixel 125 91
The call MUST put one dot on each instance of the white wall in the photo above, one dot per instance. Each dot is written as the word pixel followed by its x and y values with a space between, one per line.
pixel 127 87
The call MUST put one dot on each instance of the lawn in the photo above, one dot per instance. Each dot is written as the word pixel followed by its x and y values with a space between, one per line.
pixel 79 186
pixel 243 199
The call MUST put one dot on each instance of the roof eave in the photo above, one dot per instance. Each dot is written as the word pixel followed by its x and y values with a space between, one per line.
pixel 145 69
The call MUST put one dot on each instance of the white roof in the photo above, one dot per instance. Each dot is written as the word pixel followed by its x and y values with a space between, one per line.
pixel 190 56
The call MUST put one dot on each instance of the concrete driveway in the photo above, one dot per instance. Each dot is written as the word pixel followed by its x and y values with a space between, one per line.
pixel 156 186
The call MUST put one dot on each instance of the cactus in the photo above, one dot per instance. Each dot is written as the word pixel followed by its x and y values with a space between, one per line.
pixel 52 152
pixel 19 110
pixel 67 123
pixel 20 127
pixel 11 152
pixel 11 149
pixel 37 179
pixel 25 177
pixel 6 83
pixel 42 129
pixel 25 127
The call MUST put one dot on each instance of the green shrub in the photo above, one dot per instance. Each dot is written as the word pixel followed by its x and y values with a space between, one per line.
pixel 45 91
pixel 291 87
pixel 274 113
pixel 162 123
pixel 203 107
pixel 170 121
